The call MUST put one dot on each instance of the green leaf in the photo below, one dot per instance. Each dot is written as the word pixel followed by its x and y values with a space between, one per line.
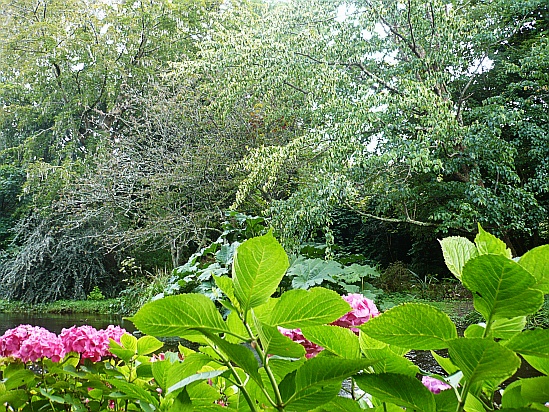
pixel 507 328
pixel 412 325
pixel 489 244
pixel 318 381
pixel 446 401
pixel 501 287
pixel 340 404
pixel 540 364
pixel 340 341
pixel 19 378
pixel 200 376
pixel 312 272
pixel 536 262
pixel 535 389
pixel 129 342
pixel 51 397
pixel 275 343
pixel 175 315
pixel 483 359
pixel 148 344
pixel 530 342
pixel 457 251
pixel 160 373
pixel 191 366
pixel 14 398
pixel 300 308
pixel 240 355
pixel 226 285
pixel 445 363
pixel 259 266
pixel 133 391
pixel 402 390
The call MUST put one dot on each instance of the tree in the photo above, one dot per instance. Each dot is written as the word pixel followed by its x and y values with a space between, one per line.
pixel 397 122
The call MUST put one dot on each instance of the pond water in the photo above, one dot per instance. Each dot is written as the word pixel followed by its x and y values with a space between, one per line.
pixel 55 322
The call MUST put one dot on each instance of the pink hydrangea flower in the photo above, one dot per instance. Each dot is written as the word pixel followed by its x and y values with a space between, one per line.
pixel 434 385
pixel 311 349
pixel 30 343
pixel 89 342
pixel 362 310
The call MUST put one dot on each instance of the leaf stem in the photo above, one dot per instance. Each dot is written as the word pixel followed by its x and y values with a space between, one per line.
pixel 263 356
pixel 238 381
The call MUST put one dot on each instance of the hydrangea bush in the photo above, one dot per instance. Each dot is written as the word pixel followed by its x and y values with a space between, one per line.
pixel 292 352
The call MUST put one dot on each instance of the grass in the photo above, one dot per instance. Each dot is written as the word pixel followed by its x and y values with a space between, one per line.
pixel 105 306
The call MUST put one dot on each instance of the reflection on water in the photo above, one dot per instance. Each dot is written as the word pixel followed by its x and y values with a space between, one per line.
pixel 55 322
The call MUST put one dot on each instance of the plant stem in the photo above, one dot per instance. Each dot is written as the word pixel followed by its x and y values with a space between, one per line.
pixel 238 381
pixel 463 397
pixel 263 356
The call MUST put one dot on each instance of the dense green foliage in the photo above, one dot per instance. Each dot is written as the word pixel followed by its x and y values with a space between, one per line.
pixel 375 127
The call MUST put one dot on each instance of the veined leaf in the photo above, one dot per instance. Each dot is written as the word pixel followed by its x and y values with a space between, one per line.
pixel 319 380
pixel 536 262
pixel 501 287
pixel 134 391
pixel 535 389
pixel 340 341
pixel 148 344
pixel 259 266
pixel 530 342
pixel 412 325
pixel 489 244
pixel 312 272
pixel 226 285
pixel 175 315
pixel 483 359
pixel 457 251
pixel 539 364
pixel 300 308
pixel 402 390
pixel 275 343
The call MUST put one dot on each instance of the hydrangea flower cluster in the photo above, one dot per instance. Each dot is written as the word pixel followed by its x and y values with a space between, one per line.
pixel 311 349
pixel 362 310
pixel 434 385
pixel 31 343
pixel 89 342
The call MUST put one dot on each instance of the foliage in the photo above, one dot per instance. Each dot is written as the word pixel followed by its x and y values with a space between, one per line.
pixel 51 263
pixel 247 364
pixel 96 294
pixel 402 112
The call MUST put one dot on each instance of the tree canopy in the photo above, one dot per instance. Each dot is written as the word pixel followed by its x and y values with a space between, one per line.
pixel 128 128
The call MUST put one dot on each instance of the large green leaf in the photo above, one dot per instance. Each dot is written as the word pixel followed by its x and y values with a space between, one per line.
pixel 457 251
pixel 259 266
pixel 312 272
pixel 501 287
pixel 489 244
pixel 147 345
pixel 402 390
pixel 539 364
pixel 192 365
pixel 318 381
pixel 240 355
pixel 340 341
pixel 175 315
pixel 390 359
pixel 412 325
pixel 133 391
pixel 530 342
pixel 275 343
pixel 536 262
pixel 340 404
pixel 301 308
pixel 482 359
pixel 535 389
